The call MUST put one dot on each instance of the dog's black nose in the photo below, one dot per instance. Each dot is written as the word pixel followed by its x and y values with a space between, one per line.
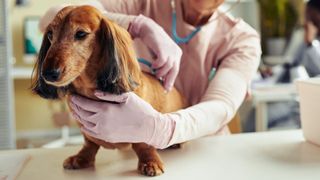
pixel 51 75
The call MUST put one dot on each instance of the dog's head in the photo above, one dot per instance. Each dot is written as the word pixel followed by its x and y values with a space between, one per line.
pixel 81 43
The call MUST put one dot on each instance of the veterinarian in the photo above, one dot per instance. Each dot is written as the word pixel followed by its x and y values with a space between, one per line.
pixel 217 56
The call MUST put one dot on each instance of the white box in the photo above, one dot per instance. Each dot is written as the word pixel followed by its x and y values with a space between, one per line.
pixel 309 97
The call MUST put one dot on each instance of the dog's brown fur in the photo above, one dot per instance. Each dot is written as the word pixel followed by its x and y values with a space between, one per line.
pixel 103 60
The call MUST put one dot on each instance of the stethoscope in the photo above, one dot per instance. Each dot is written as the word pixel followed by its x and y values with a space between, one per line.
pixel 184 40
pixel 175 36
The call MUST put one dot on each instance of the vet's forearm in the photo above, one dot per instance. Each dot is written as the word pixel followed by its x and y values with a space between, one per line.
pixel 223 97
pixel 217 108
pixel 120 18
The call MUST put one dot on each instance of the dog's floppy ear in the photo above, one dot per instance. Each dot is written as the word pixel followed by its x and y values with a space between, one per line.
pixel 121 70
pixel 38 84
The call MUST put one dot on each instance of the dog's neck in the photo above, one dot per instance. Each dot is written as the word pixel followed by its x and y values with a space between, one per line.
pixel 86 83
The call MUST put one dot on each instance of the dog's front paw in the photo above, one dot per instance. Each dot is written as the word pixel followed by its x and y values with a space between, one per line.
pixel 78 162
pixel 151 168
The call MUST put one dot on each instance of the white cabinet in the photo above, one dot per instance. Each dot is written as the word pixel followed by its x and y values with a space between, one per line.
pixel 7 130
pixel 21 73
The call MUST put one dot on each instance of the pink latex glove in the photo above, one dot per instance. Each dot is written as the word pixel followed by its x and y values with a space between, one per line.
pixel 130 119
pixel 168 53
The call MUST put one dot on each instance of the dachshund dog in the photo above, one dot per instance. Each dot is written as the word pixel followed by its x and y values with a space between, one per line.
pixel 82 51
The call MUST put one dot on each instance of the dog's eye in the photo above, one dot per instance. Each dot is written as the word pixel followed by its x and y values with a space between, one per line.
pixel 50 35
pixel 80 35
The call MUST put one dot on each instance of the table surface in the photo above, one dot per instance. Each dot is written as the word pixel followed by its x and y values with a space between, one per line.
pixel 269 155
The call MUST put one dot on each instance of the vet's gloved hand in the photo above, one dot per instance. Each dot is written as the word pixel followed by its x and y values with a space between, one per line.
pixel 168 53
pixel 130 119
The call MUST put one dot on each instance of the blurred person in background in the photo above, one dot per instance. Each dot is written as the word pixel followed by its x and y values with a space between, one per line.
pixel 307 55
pixel 310 55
